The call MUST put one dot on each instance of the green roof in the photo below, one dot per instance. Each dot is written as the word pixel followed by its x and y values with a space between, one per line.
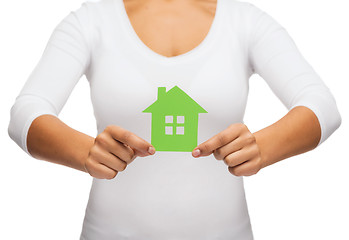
pixel 175 100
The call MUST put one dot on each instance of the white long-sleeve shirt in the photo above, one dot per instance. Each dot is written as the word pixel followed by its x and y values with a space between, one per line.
pixel 175 103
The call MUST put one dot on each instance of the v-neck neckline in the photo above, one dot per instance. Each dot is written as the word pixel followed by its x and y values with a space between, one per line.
pixel 184 57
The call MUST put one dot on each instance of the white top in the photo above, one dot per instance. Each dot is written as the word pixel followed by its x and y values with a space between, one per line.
pixel 169 195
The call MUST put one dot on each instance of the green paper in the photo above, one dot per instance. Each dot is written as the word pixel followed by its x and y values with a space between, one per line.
pixel 174 125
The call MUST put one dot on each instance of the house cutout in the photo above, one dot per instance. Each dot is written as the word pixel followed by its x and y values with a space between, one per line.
pixel 174 125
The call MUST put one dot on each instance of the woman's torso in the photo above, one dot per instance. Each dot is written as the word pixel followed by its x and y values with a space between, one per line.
pixel 169 195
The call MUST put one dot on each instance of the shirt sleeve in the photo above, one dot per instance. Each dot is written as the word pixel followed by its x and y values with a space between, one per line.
pixel 275 57
pixel 63 62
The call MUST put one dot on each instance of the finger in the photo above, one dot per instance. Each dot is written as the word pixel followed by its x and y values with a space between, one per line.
pixel 133 154
pixel 126 154
pixel 98 170
pixel 221 152
pixel 245 169
pixel 141 147
pixel 227 135
pixel 122 151
pixel 238 157
pixel 112 161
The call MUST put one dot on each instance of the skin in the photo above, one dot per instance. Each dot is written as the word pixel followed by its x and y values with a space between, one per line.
pixel 246 153
pixel 165 26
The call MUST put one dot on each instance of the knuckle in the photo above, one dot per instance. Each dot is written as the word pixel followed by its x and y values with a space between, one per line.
pixel 227 160
pixel 242 127
pixel 102 139
pixel 233 126
pixel 122 166
pixel 93 152
pixel 133 157
pixel 254 169
pixel 222 139
pixel 109 128
pixel 110 175
pixel 252 172
pixel 235 171
pixel 130 156
pixel 239 173
pixel 250 138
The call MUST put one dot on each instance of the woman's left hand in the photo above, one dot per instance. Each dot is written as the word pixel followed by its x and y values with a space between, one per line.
pixel 237 146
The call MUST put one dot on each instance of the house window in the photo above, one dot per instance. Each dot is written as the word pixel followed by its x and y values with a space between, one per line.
pixel 168 119
pixel 180 119
pixel 171 125
pixel 168 130
pixel 180 130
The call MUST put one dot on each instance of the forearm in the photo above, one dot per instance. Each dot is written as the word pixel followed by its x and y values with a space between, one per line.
pixel 52 140
pixel 297 132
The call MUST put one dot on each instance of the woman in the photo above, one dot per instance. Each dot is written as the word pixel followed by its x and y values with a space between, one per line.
pixel 188 64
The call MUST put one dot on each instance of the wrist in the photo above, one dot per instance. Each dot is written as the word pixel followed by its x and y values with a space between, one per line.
pixel 81 150
pixel 264 146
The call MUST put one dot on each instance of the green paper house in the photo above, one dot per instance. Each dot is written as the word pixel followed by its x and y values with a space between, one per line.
pixel 174 125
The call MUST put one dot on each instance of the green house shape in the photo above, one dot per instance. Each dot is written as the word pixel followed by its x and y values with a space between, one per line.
pixel 174 125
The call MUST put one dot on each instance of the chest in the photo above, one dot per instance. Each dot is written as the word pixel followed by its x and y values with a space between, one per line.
pixel 171 29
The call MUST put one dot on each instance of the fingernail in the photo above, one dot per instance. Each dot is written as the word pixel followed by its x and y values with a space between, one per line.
pixel 196 152
pixel 151 150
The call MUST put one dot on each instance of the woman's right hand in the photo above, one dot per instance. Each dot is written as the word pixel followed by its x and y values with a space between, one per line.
pixel 113 150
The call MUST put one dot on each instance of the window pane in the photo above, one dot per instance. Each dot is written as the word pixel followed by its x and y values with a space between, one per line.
pixel 180 130
pixel 168 130
pixel 180 119
pixel 168 119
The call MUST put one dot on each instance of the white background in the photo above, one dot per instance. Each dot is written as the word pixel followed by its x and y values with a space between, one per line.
pixel 304 197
